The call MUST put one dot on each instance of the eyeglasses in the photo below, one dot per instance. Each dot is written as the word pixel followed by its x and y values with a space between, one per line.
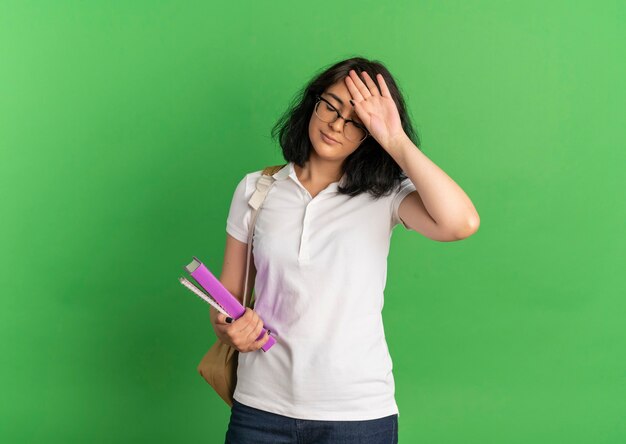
pixel 354 132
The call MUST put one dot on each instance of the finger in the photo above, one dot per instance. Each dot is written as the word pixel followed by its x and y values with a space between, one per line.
pixel 220 318
pixel 370 84
pixel 257 330
pixel 361 87
pixel 251 326
pixel 261 342
pixel 383 85
pixel 354 92
pixel 239 323
pixel 246 323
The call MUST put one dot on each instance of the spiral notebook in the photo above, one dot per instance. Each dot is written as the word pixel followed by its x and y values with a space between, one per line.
pixel 202 295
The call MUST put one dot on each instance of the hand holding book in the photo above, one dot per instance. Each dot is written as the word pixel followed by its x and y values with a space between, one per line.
pixel 242 333
pixel 239 334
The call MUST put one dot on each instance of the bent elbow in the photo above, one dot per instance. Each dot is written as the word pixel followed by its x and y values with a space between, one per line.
pixel 470 228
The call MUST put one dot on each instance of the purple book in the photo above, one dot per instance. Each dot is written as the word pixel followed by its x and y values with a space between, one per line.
pixel 222 296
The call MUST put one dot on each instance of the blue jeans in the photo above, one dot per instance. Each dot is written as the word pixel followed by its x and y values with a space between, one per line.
pixel 249 425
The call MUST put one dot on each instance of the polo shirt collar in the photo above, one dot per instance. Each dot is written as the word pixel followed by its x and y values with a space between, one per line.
pixel 289 171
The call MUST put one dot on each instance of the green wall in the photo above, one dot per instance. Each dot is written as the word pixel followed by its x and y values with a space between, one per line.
pixel 126 125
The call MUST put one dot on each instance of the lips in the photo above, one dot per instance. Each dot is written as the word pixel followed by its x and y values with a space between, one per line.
pixel 330 138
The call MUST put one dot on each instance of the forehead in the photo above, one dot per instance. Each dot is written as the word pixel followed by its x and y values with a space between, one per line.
pixel 338 93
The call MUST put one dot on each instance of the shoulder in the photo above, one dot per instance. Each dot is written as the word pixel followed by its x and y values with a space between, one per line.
pixel 405 187
pixel 250 179
pixel 406 182
pixel 247 184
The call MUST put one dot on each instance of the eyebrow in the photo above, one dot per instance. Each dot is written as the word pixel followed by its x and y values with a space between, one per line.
pixel 335 97
pixel 341 102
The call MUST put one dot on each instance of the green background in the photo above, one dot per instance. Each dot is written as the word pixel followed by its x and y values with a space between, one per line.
pixel 125 127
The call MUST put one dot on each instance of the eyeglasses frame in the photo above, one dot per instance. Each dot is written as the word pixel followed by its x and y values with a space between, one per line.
pixel 319 98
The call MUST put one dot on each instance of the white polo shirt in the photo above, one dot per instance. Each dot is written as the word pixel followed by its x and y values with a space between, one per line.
pixel 321 269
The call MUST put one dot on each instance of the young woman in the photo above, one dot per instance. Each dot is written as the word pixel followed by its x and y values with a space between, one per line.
pixel 320 246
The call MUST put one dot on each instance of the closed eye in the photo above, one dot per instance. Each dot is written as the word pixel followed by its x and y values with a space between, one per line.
pixel 332 108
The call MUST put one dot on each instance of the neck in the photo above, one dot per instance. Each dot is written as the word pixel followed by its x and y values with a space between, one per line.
pixel 319 171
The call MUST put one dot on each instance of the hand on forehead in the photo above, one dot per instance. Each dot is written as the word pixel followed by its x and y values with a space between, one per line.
pixel 339 96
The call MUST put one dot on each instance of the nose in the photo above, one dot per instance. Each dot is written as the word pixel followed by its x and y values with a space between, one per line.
pixel 338 124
